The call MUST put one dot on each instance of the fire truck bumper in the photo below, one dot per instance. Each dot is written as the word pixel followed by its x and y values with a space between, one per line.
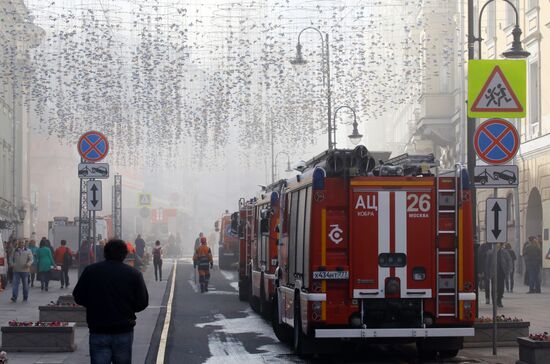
pixel 381 333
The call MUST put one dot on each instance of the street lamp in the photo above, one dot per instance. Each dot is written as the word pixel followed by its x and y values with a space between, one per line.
pixel 274 167
pixel 355 137
pixel 325 68
pixel 516 51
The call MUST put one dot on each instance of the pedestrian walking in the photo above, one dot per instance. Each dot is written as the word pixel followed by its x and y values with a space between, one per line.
pixel 504 266
pixel 45 264
pixel 532 255
pixel 202 259
pixel 34 267
pixel 111 308
pixel 140 246
pixel 198 242
pixel 509 281
pixel 157 260
pixel 482 267
pixel 63 257
pixel 85 254
pixel 21 263
pixel 526 272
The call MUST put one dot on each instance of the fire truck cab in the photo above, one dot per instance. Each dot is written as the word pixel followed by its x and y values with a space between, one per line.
pixel 228 250
pixel 371 251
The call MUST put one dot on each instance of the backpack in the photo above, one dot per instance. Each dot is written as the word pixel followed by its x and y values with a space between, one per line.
pixel 156 253
pixel 67 258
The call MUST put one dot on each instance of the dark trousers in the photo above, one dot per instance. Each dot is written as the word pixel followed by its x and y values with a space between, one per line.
pixel 158 267
pixel 204 278
pixel 111 348
pixel 509 282
pixel 500 288
pixel 44 279
pixel 533 271
pixel 64 276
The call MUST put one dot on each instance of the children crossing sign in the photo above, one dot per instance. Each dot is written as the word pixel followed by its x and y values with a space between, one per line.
pixel 497 88
pixel 144 200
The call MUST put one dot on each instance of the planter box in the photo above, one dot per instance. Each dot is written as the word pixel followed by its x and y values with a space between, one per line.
pixel 66 299
pixel 507 332
pixel 38 339
pixel 76 314
pixel 533 352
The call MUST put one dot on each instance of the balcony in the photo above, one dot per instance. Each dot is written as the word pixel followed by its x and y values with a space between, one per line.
pixel 435 120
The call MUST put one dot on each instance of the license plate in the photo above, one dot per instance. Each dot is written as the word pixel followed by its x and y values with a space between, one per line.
pixel 331 275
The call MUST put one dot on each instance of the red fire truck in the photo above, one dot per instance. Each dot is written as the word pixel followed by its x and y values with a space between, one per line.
pixel 228 251
pixel 259 226
pixel 367 251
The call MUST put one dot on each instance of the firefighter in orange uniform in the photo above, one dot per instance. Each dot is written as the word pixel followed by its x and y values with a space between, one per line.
pixel 131 257
pixel 203 260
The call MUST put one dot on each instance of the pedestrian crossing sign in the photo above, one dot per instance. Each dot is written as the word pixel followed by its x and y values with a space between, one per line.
pixel 144 200
pixel 497 88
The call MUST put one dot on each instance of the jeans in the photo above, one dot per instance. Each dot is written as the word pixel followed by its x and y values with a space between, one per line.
pixel 107 348
pixel 509 282
pixel 533 271
pixel 64 276
pixel 44 279
pixel 23 277
pixel 158 266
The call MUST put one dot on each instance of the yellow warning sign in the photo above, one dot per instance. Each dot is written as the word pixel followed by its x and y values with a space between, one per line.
pixel 497 88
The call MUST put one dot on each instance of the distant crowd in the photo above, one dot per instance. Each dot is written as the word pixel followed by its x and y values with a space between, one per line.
pixel 506 260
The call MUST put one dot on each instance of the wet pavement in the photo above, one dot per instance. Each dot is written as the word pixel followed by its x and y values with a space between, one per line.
pixel 216 327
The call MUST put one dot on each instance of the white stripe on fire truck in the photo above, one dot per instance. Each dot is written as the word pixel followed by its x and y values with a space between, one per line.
pixel 383 235
pixel 401 236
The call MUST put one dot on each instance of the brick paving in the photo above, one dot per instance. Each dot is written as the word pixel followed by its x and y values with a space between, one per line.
pixel 28 311
pixel 534 308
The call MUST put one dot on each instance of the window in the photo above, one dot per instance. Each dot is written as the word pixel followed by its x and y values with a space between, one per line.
pixel 532 3
pixel 307 223
pixel 292 237
pixel 491 21
pixel 510 211
pixel 300 232
pixel 534 95
pixel 510 13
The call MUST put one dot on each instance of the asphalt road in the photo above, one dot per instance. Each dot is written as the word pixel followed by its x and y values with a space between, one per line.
pixel 216 327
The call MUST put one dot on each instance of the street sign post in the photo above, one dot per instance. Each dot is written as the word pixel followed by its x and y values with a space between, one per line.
pixel 144 200
pixel 496 176
pixel 93 146
pixel 497 88
pixel 496 210
pixel 496 141
pixel 93 170
pixel 94 196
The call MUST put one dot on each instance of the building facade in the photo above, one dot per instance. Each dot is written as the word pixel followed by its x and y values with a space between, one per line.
pixel 533 158
pixel 18 34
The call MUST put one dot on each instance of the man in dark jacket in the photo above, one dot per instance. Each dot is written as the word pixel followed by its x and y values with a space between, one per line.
pixel 112 293
pixel 504 267
pixel 532 255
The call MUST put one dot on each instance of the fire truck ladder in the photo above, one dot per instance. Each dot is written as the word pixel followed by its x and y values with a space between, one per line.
pixel 454 193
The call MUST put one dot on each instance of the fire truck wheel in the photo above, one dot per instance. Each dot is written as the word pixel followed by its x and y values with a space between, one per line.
pixel 425 352
pixel 302 345
pixel 253 300
pixel 448 354
pixel 282 331
pixel 264 304
pixel 243 290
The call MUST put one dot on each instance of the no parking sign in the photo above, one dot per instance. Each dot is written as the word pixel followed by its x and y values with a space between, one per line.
pixel 496 141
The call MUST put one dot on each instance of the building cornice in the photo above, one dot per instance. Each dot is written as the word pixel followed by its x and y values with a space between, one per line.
pixel 535 147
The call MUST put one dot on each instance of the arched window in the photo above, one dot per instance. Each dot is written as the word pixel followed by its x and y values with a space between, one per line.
pixel 510 211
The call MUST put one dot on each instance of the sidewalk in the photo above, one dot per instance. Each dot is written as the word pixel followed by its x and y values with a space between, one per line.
pixel 28 311
pixel 528 307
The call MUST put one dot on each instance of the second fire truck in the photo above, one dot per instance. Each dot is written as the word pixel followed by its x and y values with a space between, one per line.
pixel 356 249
